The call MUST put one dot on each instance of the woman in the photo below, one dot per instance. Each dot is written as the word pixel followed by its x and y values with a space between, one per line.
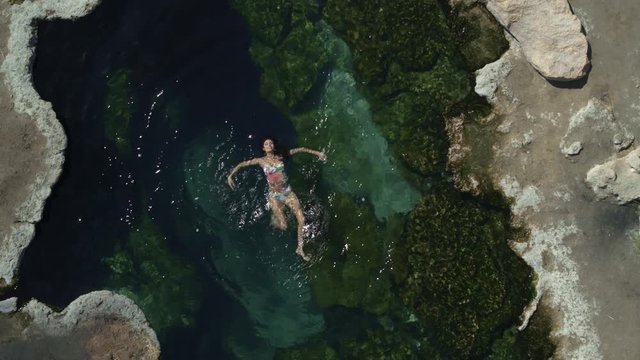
pixel 279 190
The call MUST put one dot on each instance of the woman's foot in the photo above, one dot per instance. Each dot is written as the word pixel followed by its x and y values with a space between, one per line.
pixel 280 224
pixel 300 252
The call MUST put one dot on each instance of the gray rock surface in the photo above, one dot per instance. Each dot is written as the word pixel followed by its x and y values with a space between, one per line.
pixel 595 117
pixel 488 78
pixel 98 325
pixel 94 305
pixel 549 33
pixel 617 180
pixel 8 305
pixel 583 251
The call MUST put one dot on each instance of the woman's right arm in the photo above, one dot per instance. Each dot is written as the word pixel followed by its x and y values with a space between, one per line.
pixel 232 185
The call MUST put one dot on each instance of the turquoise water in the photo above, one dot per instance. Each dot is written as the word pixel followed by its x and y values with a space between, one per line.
pixel 361 163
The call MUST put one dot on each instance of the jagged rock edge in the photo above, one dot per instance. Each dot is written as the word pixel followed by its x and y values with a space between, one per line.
pixel 19 81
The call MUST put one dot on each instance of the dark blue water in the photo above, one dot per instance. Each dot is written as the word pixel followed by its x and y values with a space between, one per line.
pixel 186 78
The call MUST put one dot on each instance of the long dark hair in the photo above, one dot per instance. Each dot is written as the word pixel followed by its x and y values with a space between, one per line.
pixel 279 149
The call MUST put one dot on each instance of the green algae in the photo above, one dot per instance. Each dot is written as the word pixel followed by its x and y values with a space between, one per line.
pixel 455 269
pixel 320 351
pixel 407 66
pixel 478 35
pixel 352 270
pixel 411 33
pixel 161 283
pixel 377 344
pixel 365 338
pixel 119 110
pixel 533 343
pixel 287 48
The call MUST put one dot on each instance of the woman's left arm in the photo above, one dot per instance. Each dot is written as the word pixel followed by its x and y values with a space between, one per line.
pixel 322 156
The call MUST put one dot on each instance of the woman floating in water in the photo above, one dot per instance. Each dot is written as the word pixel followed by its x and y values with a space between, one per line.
pixel 279 190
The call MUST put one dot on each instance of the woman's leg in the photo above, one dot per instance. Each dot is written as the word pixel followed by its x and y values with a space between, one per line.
pixel 294 204
pixel 277 215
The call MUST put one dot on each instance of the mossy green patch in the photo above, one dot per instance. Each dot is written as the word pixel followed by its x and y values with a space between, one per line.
pixel 454 268
pixel 352 270
pixel 119 110
pixel 478 35
pixel 267 19
pixel 160 282
pixel 533 343
pixel 411 33
pixel 313 351
pixel 368 340
pixel 286 46
pixel 408 68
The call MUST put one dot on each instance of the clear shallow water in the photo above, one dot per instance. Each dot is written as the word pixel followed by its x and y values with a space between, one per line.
pixel 159 99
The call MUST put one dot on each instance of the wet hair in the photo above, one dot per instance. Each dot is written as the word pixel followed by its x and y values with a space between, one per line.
pixel 279 149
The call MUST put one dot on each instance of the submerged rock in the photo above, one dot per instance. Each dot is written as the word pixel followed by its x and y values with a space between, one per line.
pixel 34 176
pixel 550 35
pixel 455 270
pixel 164 285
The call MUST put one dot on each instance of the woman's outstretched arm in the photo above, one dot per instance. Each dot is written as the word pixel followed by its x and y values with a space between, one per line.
pixel 245 163
pixel 322 156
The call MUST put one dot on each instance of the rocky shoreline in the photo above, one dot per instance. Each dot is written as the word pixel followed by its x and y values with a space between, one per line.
pixel 558 150
pixel 24 102
pixel 97 325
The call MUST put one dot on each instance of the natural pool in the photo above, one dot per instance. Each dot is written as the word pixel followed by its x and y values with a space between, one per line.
pixel 159 99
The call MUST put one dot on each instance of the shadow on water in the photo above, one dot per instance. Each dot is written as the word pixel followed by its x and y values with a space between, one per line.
pixel 180 70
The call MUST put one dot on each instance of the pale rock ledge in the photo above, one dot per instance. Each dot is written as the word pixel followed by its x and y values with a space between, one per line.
pixel 617 180
pixel 16 69
pixel 595 117
pixel 97 325
pixel 549 33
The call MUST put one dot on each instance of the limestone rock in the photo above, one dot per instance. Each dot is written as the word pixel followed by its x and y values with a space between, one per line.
pixel 8 305
pixel 16 70
pixel 573 149
pixel 490 76
pixel 458 153
pixel 527 198
pixel 102 324
pixel 549 33
pixel 617 180
pixel 598 117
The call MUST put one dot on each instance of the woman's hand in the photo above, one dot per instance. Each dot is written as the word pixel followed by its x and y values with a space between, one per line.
pixel 322 156
pixel 230 182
